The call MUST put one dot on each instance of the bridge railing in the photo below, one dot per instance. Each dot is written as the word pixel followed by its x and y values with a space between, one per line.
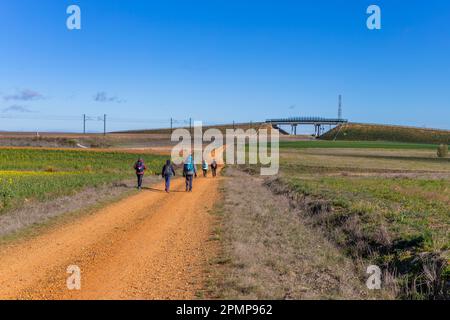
pixel 306 120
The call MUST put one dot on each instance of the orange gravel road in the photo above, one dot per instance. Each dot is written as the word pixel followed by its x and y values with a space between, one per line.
pixel 151 245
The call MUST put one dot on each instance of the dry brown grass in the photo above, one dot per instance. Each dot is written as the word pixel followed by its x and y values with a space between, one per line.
pixel 96 141
pixel 270 253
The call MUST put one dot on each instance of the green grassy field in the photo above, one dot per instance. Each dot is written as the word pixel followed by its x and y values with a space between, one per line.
pixel 371 132
pixel 389 206
pixel 31 174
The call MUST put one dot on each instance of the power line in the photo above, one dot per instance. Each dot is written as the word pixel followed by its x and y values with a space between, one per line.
pixel 85 118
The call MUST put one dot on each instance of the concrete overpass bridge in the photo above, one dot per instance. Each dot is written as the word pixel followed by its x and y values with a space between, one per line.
pixel 318 123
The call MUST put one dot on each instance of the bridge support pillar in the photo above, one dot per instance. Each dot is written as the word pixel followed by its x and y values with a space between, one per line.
pixel 317 130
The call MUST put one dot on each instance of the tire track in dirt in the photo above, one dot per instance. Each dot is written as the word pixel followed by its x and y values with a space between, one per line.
pixel 151 245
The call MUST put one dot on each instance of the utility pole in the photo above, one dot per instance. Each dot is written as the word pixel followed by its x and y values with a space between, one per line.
pixel 104 124
pixel 234 127
pixel 340 107
pixel 84 123
pixel 171 125
pixel 190 126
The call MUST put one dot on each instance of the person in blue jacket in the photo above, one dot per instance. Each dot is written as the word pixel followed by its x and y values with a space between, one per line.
pixel 189 171
pixel 205 168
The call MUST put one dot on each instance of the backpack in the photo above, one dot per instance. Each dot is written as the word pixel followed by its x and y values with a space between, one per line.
pixel 140 168
pixel 168 170
pixel 189 167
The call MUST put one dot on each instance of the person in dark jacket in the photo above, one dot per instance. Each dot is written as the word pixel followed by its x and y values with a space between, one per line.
pixel 214 167
pixel 167 173
pixel 140 168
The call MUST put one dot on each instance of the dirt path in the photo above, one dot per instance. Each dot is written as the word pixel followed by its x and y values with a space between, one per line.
pixel 149 246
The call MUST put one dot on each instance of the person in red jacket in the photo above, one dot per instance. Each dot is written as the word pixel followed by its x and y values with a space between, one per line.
pixel 140 168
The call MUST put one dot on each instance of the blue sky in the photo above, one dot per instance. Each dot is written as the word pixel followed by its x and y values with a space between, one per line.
pixel 218 61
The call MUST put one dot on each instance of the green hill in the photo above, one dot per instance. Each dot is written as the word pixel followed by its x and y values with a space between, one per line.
pixel 372 132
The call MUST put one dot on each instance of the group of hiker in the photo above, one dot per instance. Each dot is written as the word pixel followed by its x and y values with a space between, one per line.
pixel 168 172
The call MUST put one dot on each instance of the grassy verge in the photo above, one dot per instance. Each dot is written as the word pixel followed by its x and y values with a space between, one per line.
pixel 267 252
pixel 390 208
pixel 355 144
pixel 35 229
pixel 31 174
pixel 218 265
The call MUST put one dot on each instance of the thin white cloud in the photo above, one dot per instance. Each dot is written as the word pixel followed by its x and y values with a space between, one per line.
pixel 103 97
pixel 24 95
pixel 17 109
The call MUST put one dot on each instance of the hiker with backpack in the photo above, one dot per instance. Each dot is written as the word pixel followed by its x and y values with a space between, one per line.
pixel 140 168
pixel 189 171
pixel 205 168
pixel 214 168
pixel 167 173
